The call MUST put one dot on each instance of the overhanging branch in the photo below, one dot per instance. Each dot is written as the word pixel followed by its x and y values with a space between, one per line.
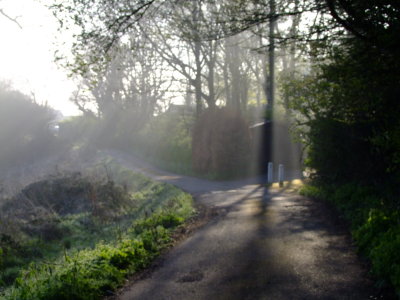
pixel 14 20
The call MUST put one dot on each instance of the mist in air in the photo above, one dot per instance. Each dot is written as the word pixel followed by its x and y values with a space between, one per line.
pixel 200 90
pixel 179 89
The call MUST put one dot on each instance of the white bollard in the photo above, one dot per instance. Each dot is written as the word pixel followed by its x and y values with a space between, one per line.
pixel 270 172
pixel 281 174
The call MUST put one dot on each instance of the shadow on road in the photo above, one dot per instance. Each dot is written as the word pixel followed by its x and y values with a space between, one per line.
pixel 297 251
pixel 263 243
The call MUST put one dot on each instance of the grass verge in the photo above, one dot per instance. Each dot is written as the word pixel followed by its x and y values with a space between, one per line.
pixel 97 251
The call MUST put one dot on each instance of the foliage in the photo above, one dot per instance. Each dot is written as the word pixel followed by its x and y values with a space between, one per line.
pixel 375 226
pixel 350 110
pixel 25 133
pixel 77 129
pixel 131 85
pixel 374 22
pixel 101 24
pixel 90 274
pixel 85 234
pixel 125 54
pixel 166 141
pixel 348 107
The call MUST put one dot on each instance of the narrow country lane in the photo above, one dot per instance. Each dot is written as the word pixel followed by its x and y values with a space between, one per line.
pixel 262 244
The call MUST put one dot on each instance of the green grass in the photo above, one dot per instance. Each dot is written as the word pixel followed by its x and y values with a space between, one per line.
pixel 95 253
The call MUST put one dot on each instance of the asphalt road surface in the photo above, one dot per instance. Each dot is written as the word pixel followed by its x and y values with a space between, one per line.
pixel 261 244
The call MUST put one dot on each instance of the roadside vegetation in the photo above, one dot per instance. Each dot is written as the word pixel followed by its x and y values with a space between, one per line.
pixel 337 67
pixel 78 237
pixel 25 132
pixel 216 146
pixel 347 109
pixel 373 222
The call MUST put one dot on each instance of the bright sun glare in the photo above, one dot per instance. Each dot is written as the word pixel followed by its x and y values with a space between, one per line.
pixel 26 55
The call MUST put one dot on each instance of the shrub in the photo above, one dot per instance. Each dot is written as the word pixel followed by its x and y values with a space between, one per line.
pixel 25 134
pixel 166 141
pixel 385 256
pixel 375 227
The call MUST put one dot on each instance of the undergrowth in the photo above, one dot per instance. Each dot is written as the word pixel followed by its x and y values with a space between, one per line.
pixel 89 251
pixel 375 226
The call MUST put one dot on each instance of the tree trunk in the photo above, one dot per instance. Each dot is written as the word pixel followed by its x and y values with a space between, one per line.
pixel 210 78
pixel 197 84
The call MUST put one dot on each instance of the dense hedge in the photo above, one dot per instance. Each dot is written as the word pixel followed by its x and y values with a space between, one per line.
pixel 375 226
pixel 348 111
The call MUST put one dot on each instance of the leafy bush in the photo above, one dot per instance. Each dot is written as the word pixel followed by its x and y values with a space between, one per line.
pixel 77 129
pixel 25 133
pixel 348 111
pixel 340 151
pixel 166 220
pixel 166 141
pixel 385 256
pixel 375 226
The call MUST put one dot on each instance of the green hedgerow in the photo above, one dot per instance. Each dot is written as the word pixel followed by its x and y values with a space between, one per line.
pixel 375 227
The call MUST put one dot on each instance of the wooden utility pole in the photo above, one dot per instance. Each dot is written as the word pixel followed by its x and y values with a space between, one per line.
pixel 271 56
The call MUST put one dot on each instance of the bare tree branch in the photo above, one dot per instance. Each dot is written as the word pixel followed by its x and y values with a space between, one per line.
pixel 14 20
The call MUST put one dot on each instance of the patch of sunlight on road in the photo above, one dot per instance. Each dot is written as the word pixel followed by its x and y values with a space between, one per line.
pixel 291 186
pixel 166 177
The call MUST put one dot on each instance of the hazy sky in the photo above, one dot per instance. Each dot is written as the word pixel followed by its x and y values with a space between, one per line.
pixel 26 55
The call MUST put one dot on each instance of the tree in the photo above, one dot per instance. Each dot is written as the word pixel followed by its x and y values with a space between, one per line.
pixel 134 80
pixel 199 40
pixel 370 21
pixel 25 132
pixel 351 105
pixel 179 43
pixel 101 25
